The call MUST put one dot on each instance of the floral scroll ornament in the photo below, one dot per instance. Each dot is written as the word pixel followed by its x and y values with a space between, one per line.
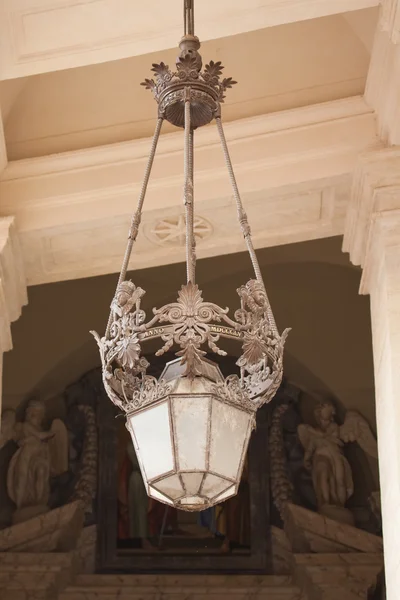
pixel 261 362
pixel 189 321
pixel 190 317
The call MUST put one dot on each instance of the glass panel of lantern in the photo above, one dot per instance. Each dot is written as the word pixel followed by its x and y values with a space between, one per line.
pixel 191 444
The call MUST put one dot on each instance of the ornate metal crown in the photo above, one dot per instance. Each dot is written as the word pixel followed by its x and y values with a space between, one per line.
pixel 205 88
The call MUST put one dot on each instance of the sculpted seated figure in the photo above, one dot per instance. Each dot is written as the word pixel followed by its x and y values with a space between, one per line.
pixel 324 457
pixel 40 455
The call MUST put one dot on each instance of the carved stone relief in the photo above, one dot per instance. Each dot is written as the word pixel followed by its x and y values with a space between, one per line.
pixel 46 467
pixel 310 464
pixel 41 454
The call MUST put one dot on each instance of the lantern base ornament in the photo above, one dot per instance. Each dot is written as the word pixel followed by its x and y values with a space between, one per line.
pixel 191 427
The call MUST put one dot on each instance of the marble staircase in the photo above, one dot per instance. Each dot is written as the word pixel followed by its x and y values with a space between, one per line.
pixel 181 587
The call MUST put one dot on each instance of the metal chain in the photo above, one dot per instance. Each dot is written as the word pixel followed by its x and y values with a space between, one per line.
pixel 188 196
pixel 244 224
pixel 137 216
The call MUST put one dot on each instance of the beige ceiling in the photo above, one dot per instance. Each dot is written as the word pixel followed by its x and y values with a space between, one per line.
pixel 277 68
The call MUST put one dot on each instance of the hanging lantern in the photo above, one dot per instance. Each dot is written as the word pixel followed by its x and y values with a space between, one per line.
pixel 191 427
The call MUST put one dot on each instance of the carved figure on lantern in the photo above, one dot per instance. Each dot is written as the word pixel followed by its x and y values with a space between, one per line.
pixel 324 457
pixel 259 342
pixel 126 297
pixel 41 454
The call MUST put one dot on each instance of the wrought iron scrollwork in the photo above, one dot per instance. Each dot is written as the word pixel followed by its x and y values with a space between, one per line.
pixel 190 319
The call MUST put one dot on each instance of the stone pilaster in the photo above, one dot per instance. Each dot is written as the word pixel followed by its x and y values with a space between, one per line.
pixel 372 237
pixel 13 293
pixel 382 91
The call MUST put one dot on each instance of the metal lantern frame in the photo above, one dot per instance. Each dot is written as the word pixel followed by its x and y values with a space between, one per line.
pixel 190 97
pixel 196 471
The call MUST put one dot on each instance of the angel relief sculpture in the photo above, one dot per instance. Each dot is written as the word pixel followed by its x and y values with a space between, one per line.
pixel 40 455
pixel 331 472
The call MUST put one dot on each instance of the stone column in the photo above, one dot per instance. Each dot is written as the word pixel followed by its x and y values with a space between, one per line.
pixel 13 293
pixel 372 237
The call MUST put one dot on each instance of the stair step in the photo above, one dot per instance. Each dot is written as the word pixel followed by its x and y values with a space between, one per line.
pixel 24 594
pixel 181 587
pixel 197 593
pixel 182 580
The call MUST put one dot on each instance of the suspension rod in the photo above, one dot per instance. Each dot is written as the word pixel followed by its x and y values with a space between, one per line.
pixel 244 224
pixel 137 216
pixel 188 196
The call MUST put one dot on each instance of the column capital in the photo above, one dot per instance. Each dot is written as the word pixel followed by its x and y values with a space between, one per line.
pixel 374 209
pixel 13 292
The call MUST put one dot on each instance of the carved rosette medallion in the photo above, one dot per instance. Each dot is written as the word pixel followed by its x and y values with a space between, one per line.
pixel 171 231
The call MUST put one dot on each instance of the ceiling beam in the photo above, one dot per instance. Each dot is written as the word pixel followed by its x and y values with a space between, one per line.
pixel 293 168
pixel 48 35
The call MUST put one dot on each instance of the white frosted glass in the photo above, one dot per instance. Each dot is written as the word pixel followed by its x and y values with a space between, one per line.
pixel 229 434
pixel 151 429
pixel 158 496
pixel 192 500
pixel 192 482
pixel 227 494
pixel 214 485
pixel 191 417
pixel 170 486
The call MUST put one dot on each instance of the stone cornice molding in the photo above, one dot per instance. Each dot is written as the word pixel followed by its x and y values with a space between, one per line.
pixel 13 292
pixel 390 19
pixel 383 247
pixel 300 119
pixel 373 217
pixel 382 91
